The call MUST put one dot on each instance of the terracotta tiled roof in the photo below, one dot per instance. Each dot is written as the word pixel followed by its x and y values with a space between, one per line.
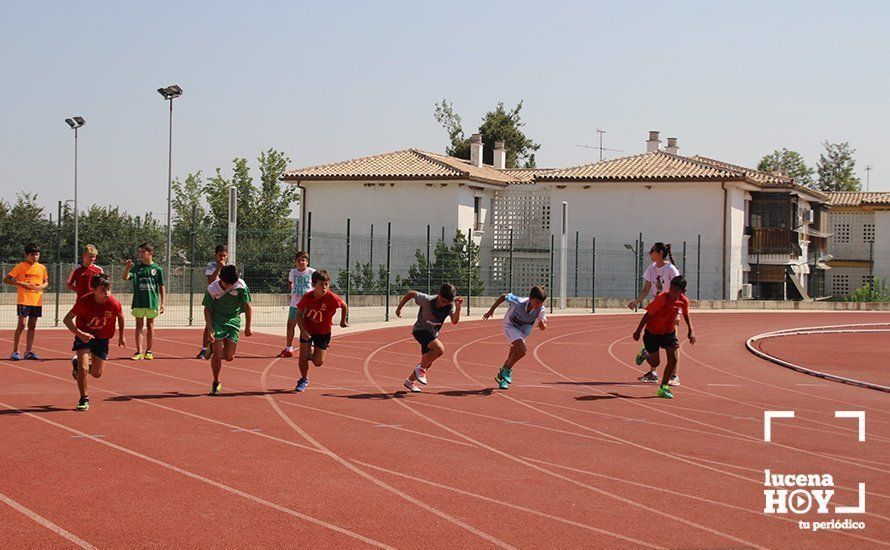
pixel 848 198
pixel 412 164
pixel 763 178
pixel 653 166
pixel 526 175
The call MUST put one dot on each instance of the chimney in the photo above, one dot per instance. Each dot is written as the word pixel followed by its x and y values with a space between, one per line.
pixel 652 142
pixel 672 146
pixel 476 150
pixel 500 155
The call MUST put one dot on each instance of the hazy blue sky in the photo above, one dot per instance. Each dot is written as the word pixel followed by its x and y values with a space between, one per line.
pixel 326 81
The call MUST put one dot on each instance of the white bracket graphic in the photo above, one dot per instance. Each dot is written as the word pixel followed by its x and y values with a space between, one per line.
pixel 767 421
pixel 854 509
pixel 854 414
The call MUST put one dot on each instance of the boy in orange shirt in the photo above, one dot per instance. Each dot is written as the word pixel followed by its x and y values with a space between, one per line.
pixel 660 321
pixel 31 278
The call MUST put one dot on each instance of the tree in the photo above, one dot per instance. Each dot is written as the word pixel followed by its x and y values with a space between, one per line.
pixel 835 168
pixel 24 222
pixel 497 125
pixel 788 162
pixel 449 265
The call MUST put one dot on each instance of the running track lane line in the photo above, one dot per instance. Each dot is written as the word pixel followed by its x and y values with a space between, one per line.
pixel 376 481
pixel 533 466
pixel 46 523
pixel 206 480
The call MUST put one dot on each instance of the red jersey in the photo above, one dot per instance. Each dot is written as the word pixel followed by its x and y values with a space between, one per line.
pixel 95 318
pixel 82 279
pixel 663 312
pixel 318 313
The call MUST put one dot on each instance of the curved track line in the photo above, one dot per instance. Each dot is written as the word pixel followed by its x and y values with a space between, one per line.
pixel 32 515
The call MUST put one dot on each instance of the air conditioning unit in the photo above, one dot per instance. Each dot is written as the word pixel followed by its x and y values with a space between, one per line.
pixel 746 292
pixel 809 216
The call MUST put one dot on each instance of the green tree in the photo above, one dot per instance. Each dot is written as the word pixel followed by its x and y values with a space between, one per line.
pixel 498 124
pixel 24 222
pixel 449 265
pixel 835 168
pixel 788 162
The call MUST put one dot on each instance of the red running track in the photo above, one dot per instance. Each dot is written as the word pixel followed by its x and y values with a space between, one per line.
pixel 575 454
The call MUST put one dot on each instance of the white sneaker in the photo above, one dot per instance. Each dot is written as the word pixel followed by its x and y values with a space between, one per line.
pixel 674 381
pixel 411 385
pixel 650 377
pixel 420 374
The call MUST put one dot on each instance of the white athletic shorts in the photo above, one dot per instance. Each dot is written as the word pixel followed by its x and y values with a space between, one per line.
pixel 512 333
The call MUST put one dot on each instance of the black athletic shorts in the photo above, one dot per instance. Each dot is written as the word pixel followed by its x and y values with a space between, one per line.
pixel 654 342
pixel 97 346
pixel 29 311
pixel 424 338
pixel 320 341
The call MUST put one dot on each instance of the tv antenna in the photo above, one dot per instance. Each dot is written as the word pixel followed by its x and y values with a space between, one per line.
pixel 868 170
pixel 600 147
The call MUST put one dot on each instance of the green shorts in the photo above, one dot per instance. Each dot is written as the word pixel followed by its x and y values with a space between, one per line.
pixel 292 313
pixel 226 333
pixel 140 312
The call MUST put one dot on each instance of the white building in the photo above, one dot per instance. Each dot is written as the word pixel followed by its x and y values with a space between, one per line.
pixel 661 194
pixel 856 219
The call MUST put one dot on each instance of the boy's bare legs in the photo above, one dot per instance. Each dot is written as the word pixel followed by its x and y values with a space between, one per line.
pixel 671 367
pixel 150 333
pixel 436 350
pixel 140 322
pixel 517 352
pixel 83 364
pixel 289 339
pixel 17 337
pixel 216 359
pixel 29 339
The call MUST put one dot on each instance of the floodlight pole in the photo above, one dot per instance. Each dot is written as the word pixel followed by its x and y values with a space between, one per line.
pixel 169 273
pixel 76 233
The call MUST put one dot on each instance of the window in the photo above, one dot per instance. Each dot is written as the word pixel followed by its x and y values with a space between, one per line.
pixel 477 213
pixel 840 284
pixel 868 233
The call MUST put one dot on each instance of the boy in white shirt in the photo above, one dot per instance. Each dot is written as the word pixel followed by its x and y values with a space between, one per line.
pixel 300 281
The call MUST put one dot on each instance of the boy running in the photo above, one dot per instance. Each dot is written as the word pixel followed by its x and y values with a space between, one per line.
pixel 430 317
pixel 31 278
pixel 522 316
pixel 315 316
pixel 212 274
pixel 660 322
pixel 80 281
pixel 300 281
pixel 149 296
pixel 223 303
pixel 92 321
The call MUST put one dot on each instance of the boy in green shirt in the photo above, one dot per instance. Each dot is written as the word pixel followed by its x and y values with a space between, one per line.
pixel 149 296
pixel 223 303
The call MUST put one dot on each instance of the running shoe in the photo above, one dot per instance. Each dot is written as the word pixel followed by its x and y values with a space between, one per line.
pixel 301 384
pixel 215 388
pixel 83 404
pixel 674 381
pixel 202 354
pixel 502 382
pixel 15 356
pixel 286 353
pixel 149 356
pixel 31 356
pixel 420 374
pixel 650 377
pixel 74 368
pixel 641 356
pixel 411 386
pixel 665 392
pixel 137 357
pixel 506 374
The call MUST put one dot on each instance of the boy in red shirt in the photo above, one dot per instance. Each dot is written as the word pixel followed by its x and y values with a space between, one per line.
pixel 315 316
pixel 660 322
pixel 81 279
pixel 92 322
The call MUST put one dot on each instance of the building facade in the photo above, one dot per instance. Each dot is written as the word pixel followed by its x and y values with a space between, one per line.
pixel 858 257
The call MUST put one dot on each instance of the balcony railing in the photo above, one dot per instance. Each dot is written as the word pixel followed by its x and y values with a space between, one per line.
pixel 771 240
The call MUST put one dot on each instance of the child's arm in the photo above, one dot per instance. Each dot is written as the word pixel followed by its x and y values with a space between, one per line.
pixel 642 296
pixel 455 317
pixel 405 299
pixel 208 323
pixel 121 340
pixel 344 315
pixel 641 325
pixel 691 336
pixel 128 265
pixel 163 298
pixel 69 284
pixel 494 306
pixel 69 322
pixel 248 314
pixel 215 274
pixel 10 280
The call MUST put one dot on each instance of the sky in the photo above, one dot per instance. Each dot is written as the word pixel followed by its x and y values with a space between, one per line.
pixel 328 81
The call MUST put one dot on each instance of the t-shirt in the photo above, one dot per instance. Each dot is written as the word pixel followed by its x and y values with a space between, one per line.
pixel 147 283
pixel 34 274
pixel 226 305
pixel 301 283
pixel 429 316
pixel 318 313
pixel 82 279
pixel 211 269
pixel 519 317
pixel 660 277
pixel 95 318
pixel 663 312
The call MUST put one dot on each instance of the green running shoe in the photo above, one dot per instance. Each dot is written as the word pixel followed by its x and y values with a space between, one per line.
pixel 83 404
pixel 507 374
pixel 665 392
pixel 641 357
pixel 502 382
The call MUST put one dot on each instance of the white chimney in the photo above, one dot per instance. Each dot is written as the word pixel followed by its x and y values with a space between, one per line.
pixel 672 146
pixel 476 150
pixel 653 141
pixel 500 155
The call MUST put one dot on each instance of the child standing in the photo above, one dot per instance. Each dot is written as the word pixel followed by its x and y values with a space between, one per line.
pixel 315 316
pixel 521 317
pixel 223 303
pixel 149 296
pixel 80 281
pixel 656 277
pixel 92 321
pixel 430 318
pixel 31 278
pixel 660 321
pixel 212 273
pixel 300 281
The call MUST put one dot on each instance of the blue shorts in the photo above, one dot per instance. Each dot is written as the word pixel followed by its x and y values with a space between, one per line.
pixel 29 311
pixel 96 346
